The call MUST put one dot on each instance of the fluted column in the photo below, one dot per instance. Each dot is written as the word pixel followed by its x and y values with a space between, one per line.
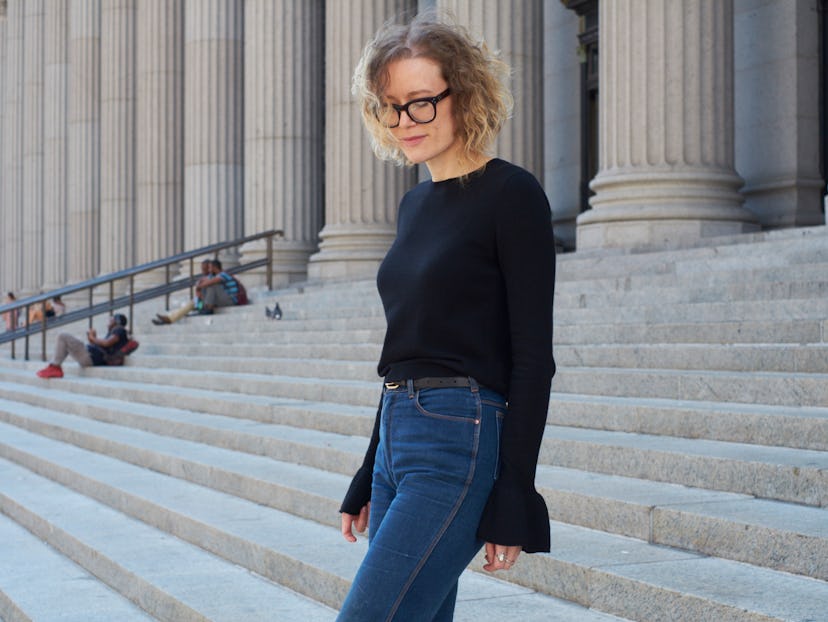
pixel 56 142
pixel 117 134
pixel 777 103
pixel 33 148
pixel 84 139
pixel 515 29
pixel 4 276
pixel 12 204
pixel 666 175
pixel 562 119
pixel 159 109
pixel 283 153
pixel 361 193
pixel 214 122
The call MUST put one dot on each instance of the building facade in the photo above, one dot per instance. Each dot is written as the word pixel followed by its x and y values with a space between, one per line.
pixel 131 130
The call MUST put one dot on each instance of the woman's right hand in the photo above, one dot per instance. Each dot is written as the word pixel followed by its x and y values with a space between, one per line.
pixel 355 521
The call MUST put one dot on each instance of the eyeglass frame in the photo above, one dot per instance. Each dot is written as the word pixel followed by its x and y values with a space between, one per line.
pixel 400 108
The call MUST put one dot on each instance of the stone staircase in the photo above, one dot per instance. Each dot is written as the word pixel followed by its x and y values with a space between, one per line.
pixel 685 462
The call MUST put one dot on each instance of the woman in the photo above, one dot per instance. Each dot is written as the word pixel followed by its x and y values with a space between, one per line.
pixel 10 317
pixel 467 289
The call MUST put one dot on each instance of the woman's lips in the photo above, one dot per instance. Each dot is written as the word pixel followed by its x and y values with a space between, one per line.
pixel 412 141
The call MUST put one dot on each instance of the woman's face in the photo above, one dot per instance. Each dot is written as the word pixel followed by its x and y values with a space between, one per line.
pixel 436 143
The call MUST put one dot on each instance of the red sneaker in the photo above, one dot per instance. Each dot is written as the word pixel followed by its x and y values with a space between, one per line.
pixel 51 371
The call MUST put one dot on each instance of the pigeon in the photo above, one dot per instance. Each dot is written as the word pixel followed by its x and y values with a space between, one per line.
pixel 275 313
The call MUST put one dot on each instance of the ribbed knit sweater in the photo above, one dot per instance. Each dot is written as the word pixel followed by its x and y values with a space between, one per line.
pixel 467 288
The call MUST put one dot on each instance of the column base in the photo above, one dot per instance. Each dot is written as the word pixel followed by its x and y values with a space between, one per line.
pixel 662 210
pixel 786 203
pixel 290 262
pixel 350 252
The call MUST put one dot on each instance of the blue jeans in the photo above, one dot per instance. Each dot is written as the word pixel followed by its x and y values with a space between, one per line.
pixel 435 466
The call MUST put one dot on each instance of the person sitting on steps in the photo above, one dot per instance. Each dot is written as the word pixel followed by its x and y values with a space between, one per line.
pixel 170 318
pixel 221 290
pixel 96 352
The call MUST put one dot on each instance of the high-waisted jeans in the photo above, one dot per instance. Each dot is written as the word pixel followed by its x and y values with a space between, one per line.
pixel 435 466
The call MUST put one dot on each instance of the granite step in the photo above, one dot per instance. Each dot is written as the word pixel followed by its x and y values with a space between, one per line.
pixel 30 569
pixel 810 247
pixel 609 573
pixel 724 332
pixel 746 387
pixel 771 357
pixel 169 578
pixel 803 284
pixel 359 361
pixel 755 424
pixel 783 536
pixel 769 388
pixel 797 427
pixel 652 310
pixel 731 357
pixel 775 473
pixel 234 533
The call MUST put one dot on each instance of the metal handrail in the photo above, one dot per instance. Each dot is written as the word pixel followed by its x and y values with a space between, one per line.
pixel 131 297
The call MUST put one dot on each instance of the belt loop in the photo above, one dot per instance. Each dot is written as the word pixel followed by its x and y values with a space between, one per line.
pixel 410 384
pixel 473 384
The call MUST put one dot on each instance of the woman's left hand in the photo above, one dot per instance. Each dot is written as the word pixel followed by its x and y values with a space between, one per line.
pixel 499 557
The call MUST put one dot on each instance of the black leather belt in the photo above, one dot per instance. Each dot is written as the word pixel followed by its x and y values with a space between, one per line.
pixel 431 383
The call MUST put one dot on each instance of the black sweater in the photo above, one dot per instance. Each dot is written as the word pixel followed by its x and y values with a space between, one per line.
pixel 467 288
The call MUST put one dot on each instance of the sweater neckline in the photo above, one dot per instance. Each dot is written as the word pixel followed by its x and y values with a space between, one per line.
pixel 472 175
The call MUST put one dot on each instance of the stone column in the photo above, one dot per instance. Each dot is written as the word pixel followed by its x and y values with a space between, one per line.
pixel 361 193
pixel 562 119
pixel 56 139
pixel 12 204
pixel 4 277
pixel 33 148
pixel 214 122
pixel 777 111
pixel 84 139
pixel 515 29
pixel 117 135
pixel 283 152
pixel 159 110
pixel 666 173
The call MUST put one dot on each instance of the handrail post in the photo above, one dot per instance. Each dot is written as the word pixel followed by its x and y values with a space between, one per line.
pixel 43 333
pixel 90 307
pixel 270 262
pixel 192 275
pixel 132 302
pixel 26 340
pixel 167 283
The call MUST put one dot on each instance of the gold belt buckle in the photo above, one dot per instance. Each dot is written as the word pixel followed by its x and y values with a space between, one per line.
pixel 392 385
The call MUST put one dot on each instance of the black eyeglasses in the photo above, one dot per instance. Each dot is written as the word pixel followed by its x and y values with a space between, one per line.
pixel 422 110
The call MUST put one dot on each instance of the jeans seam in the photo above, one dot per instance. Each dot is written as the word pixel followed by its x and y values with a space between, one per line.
pixel 456 508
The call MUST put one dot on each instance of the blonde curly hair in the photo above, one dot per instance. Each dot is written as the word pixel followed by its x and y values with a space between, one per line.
pixel 478 80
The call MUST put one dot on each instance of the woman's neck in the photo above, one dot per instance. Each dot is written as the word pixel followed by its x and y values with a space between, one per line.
pixel 458 166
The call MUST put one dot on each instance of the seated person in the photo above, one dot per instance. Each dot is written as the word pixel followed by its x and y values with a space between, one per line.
pixel 93 353
pixel 10 317
pixel 36 312
pixel 221 290
pixel 173 316
pixel 58 306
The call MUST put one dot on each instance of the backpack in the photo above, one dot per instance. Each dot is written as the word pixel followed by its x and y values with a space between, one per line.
pixel 117 357
pixel 241 297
